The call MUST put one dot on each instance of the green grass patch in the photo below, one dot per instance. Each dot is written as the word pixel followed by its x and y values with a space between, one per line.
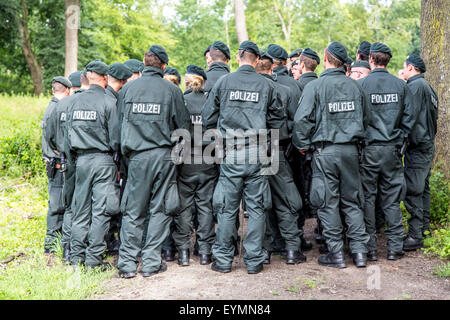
pixel 442 271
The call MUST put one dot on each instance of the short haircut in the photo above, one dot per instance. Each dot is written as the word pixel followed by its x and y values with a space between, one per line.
pixel 246 56
pixel 84 80
pixel 172 78
pixel 217 55
pixel 279 63
pixel 58 87
pixel 152 60
pixel 363 56
pixel 380 58
pixel 263 65
pixel 333 60
pixel 310 64
pixel 415 68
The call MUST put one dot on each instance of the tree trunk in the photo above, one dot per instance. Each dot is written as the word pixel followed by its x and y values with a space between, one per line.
pixel 72 25
pixel 435 41
pixel 239 15
pixel 30 57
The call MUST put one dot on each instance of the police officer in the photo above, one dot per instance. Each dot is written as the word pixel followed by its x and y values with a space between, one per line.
pixel 60 89
pixel 362 53
pixel 392 119
pixel 286 201
pixel 359 69
pixel 247 101
pixel 293 56
pixel 420 152
pixel 347 66
pixel 295 70
pixel 93 135
pixel 172 75
pixel 196 179
pixel 207 56
pixel 152 108
pixel 56 131
pixel 220 56
pixel 136 67
pixel 332 116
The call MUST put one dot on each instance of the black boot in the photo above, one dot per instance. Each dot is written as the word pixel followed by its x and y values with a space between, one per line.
pixel 169 255
pixel 294 257
pixel 183 257
pixel 320 239
pixel 66 254
pixel 391 255
pixel 323 249
pixel 205 259
pixel 306 245
pixel 216 268
pixel 267 258
pixel 412 244
pixel 335 260
pixel 359 259
pixel 372 255
pixel 162 268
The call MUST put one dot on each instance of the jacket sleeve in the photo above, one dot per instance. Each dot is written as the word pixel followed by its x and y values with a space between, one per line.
pixel 305 119
pixel 211 109
pixel 112 119
pixel 180 114
pixel 50 129
pixel 410 110
pixel 276 113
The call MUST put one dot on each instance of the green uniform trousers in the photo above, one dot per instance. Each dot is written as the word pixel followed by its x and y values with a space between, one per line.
pixel 69 187
pixel 236 181
pixel 55 210
pixel 96 199
pixel 152 192
pixel 336 187
pixel 286 204
pixel 418 161
pixel 196 184
pixel 382 174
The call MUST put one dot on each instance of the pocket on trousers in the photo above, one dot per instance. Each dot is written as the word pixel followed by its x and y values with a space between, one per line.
pixel 112 200
pixel 317 193
pixel 404 188
pixel 57 199
pixel 218 203
pixel 172 203
pixel 415 181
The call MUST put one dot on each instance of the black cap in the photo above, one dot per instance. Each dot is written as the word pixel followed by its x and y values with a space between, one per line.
pixel 119 71
pixel 66 83
pixel 416 61
pixel 193 69
pixel 295 62
pixel 380 47
pixel 75 78
pixel 250 47
pixel 349 60
pixel 265 55
pixel 364 47
pixel 311 54
pixel 360 64
pixel 97 66
pixel 219 45
pixel 295 53
pixel 160 53
pixel 84 72
pixel 172 71
pixel 277 52
pixel 206 50
pixel 338 50
pixel 134 65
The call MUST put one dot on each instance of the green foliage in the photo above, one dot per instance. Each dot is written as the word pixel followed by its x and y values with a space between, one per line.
pixel 439 242
pixel 440 197
pixel 442 271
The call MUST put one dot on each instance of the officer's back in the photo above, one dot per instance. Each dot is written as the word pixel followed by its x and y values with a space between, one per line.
pixel 220 56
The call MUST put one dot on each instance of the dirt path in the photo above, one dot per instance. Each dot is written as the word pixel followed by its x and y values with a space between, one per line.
pixel 408 278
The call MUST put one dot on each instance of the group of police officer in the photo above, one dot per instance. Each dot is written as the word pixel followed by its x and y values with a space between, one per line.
pixel 348 147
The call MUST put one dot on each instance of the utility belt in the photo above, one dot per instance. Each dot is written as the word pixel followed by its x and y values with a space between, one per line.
pixel 323 144
pixel 51 165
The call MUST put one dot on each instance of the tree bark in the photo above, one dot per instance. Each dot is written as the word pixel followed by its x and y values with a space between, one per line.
pixel 30 57
pixel 239 15
pixel 72 25
pixel 435 41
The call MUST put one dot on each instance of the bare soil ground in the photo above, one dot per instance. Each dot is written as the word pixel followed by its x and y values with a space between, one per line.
pixel 409 278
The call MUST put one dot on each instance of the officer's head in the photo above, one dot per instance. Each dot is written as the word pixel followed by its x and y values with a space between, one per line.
pixel 248 54
pixel 156 57
pixel 293 56
pixel 413 65
pixel 75 79
pixel 207 56
pixel 335 55
pixel 61 87
pixel 172 75
pixel 359 69
pixel 136 67
pixel 84 80
pixel 265 63
pixel 379 55
pixel 296 69
pixel 195 78
pixel 363 51
pixel 400 74
pixel 118 74
pixel 308 61
pixel 278 54
pixel 97 73
pixel 219 52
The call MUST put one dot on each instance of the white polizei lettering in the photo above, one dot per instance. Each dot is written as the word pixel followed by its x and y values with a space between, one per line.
pixel 384 98
pixel 146 108
pixel 85 115
pixel 344 106
pixel 63 116
pixel 249 96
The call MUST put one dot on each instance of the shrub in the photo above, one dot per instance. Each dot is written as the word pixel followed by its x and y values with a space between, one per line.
pixel 440 197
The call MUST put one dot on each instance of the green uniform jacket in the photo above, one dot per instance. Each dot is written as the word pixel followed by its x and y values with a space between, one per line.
pixel 332 109
pixel 48 149
pixel 194 104
pixel 393 111
pixel 427 112
pixel 215 72
pixel 305 79
pixel 92 122
pixel 243 100
pixel 151 109
pixel 112 93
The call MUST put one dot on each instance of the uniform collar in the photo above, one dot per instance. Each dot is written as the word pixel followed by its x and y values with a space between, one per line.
pixel 333 71
pixel 152 72
pixel 96 87
pixel 379 70
pixel 417 76
pixel 109 88
pixel 268 76
pixel 281 71
pixel 246 68
pixel 309 75
pixel 219 66
pixel 54 99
